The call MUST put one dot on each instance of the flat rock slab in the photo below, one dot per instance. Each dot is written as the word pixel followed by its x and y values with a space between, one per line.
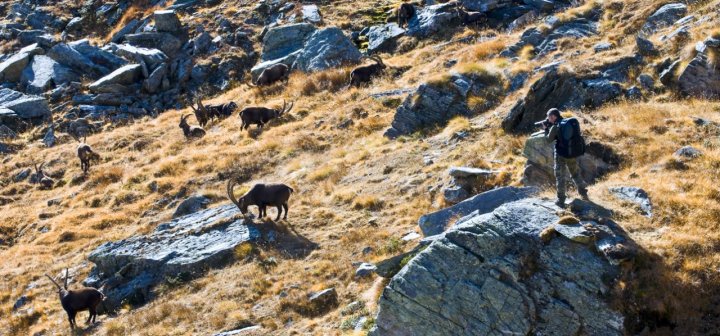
pixel 183 248
pixel 469 172
pixel 436 222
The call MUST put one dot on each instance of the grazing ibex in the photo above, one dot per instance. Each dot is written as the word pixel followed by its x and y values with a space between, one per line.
pixel 404 13
pixel 221 111
pixel 365 73
pixel 46 182
pixel 272 74
pixel 262 195
pixel 76 300
pixel 201 112
pixel 86 155
pixel 190 131
pixel 260 115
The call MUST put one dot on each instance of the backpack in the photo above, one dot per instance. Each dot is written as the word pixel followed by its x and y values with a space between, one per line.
pixel 570 143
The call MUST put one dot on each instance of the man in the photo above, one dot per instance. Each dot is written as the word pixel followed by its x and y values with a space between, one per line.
pixel 563 159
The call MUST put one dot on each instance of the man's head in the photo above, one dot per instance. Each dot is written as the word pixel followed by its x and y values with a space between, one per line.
pixel 553 115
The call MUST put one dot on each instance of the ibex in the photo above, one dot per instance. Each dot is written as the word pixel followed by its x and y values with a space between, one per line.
pixel 86 155
pixel 74 301
pixel 365 73
pixel 404 13
pixel 201 112
pixel 272 74
pixel 468 17
pixel 260 115
pixel 45 181
pixel 190 131
pixel 262 195
pixel 221 111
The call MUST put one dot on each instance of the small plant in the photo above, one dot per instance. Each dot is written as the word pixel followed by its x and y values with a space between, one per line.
pixel 393 245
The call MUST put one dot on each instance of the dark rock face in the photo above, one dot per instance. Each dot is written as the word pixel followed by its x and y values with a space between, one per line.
pixel 700 78
pixel 44 73
pixel 598 160
pixel 326 48
pixel 562 91
pixel 492 274
pixel 24 106
pixel 281 41
pixel 436 222
pixel 181 249
pixel 664 16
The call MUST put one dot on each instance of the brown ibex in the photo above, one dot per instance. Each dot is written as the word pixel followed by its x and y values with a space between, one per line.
pixel 260 115
pixel 365 73
pixel 86 155
pixel 45 181
pixel 468 17
pixel 201 112
pixel 221 111
pixel 272 74
pixel 77 300
pixel 190 131
pixel 262 195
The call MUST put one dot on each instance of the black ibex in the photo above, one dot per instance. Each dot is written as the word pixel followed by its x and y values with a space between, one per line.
pixel 190 131
pixel 262 195
pixel 202 114
pixel 76 300
pixel 365 73
pixel 272 74
pixel 468 17
pixel 405 12
pixel 45 181
pixel 221 111
pixel 86 155
pixel 260 115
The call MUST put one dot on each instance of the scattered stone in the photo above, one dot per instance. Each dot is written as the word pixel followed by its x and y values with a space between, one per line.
pixel 167 43
pixel 311 14
pixel 688 152
pixel 22 175
pixel 116 81
pixel 167 21
pixel 25 106
pixel 412 235
pixel 365 270
pixel 323 301
pixel 191 205
pixel 49 138
pixel 253 330
pixel 19 303
pixel 645 47
pixel 455 194
pixel 646 81
pixel 635 195
pixel 602 46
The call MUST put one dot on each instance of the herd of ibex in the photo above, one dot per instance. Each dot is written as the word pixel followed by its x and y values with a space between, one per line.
pixel 260 195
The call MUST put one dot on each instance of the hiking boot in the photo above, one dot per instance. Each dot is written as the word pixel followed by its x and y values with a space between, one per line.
pixel 583 193
pixel 560 202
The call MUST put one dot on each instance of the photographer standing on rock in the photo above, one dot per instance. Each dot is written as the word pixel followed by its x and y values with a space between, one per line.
pixel 569 145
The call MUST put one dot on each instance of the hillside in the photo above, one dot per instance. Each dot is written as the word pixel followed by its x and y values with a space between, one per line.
pixel 359 189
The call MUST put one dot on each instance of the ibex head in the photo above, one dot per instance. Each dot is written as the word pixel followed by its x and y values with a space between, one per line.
pixel 240 203
pixel 61 290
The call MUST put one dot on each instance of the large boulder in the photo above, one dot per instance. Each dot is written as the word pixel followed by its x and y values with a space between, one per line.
pixel 562 90
pixel 433 19
pixel 700 78
pixel 11 69
pixel 167 21
pixel 327 48
pixel 598 160
pixel 68 56
pixel 44 73
pixel 288 60
pixel 98 55
pixel 25 106
pixel 150 56
pixel 183 248
pixel 493 274
pixel 664 16
pixel 126 75
pixel 383 37
pixel 169 44
pixel 438 100
pixel 281 41
pixel 436 222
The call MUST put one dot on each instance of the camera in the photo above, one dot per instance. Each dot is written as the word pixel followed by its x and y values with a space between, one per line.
pixel 545 123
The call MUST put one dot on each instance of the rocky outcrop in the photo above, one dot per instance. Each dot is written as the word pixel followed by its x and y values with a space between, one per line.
pixel 562 90
pixel 436 222
pixel 433 19
pixel 598 160
pixel 326 48
pixel 178 250
pixel 11 68
pixel 118 80
pixel 664 16
pixel 493 274
pixel 281 41
pixel 383 37
pixel 437 101
pixel 44 73
pixel 700 78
